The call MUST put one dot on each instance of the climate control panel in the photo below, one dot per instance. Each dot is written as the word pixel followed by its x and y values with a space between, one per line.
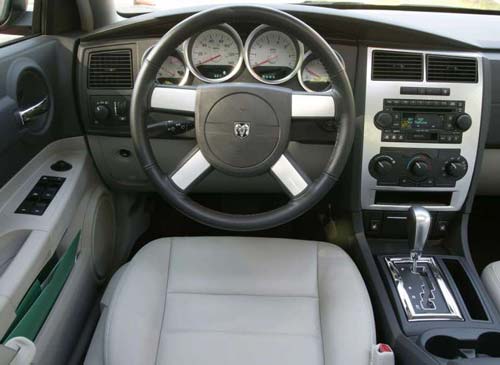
pixel 418 167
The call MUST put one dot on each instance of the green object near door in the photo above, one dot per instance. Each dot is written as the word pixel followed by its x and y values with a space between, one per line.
pixel 40 298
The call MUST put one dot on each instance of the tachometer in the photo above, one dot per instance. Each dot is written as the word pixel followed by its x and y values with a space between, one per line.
pixel 173 71
pixel 215 55
pixel 313 76
pixel 272 56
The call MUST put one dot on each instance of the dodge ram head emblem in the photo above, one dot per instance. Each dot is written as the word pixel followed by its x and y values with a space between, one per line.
pixel 241 129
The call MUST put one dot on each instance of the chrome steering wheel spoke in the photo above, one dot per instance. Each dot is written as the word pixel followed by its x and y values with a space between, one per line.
pixel 290 175
pixel 190 170
pixel 174 99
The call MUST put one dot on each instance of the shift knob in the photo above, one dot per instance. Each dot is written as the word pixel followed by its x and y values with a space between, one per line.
pixel 419 224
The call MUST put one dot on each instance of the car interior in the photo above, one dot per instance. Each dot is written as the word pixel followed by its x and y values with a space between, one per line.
pixel 247 183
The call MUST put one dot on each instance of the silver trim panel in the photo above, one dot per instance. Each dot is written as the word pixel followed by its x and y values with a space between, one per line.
pixel 454 311
pixel 190 171
pixel 377 91
pixel 313 105
pixel 288 175
pixel 174 98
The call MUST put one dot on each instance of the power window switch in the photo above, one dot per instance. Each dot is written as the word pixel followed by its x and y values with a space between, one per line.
pixel 25 207
pixel 38 208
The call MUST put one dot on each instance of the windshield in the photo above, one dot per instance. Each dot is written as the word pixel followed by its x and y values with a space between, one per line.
pixel 142 6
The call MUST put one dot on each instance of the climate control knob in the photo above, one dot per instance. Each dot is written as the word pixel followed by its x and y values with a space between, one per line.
pixel 383 120
pixel 419 167
pixel 456 168
pixel 381 166
pixel 101 113
pixel 463 121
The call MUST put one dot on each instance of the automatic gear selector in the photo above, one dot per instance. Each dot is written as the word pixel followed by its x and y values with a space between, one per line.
pixel 419 281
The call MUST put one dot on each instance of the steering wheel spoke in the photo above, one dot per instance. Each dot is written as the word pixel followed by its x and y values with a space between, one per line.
pixel 313 105
pixel 174 99
pixel 191 170
pixel 290 175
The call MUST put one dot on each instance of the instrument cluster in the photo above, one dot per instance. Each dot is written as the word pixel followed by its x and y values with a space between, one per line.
pixel 218 54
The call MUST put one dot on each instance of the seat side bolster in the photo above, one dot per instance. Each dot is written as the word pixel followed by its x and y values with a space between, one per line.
pixel 344 303
pixel 491 280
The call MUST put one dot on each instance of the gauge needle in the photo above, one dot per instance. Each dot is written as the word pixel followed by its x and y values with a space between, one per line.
pixel 266 60
pixel 208 60
pixel 312 72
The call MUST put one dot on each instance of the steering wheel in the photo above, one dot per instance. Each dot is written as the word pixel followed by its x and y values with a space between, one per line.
pixel 243 129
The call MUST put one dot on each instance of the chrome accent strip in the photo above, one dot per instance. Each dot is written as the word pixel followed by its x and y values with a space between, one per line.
pixel 313 105
pixel 174 98
pixel 454 315
pixel 233 33
pixel 377 91
pixel 288 175
pixel 261 29
pixel 191 170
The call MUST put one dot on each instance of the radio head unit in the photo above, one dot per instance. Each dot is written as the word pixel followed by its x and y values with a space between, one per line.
pixel 435 121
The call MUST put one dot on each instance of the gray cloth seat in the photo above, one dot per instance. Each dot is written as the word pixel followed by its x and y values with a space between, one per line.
pixel 491 280
pixel 237 301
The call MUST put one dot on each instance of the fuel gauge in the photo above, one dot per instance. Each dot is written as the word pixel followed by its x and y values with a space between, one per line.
pixel 313 76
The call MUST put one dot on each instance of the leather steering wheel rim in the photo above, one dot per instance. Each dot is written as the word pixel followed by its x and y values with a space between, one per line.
pixel 344 116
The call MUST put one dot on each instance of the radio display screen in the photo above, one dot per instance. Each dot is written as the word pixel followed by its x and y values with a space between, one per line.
pixel 420 121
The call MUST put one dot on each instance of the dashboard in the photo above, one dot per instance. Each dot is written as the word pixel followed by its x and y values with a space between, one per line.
pixel 422 100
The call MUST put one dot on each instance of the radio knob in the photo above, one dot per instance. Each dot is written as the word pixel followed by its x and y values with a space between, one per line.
pixel 463 121
pixel 419 167
pixel 101 113
pixel 383 120
pixel 456 169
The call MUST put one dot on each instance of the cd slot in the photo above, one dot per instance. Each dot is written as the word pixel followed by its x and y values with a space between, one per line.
pixel 423 109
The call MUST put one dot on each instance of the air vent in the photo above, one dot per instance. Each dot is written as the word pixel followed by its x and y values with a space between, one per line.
pixel 397 66
pixel 451 69
pixel 110 70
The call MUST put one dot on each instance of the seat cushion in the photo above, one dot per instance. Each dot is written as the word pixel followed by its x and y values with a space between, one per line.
pixel 224 300
pixel 491 280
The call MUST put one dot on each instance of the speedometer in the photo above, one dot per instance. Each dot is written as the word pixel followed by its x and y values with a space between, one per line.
pixel 215 55
pixel 272 56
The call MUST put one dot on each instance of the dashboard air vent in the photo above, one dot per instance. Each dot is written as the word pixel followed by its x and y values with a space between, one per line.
pixel 110 70
pixel 397 66
pixel 451 69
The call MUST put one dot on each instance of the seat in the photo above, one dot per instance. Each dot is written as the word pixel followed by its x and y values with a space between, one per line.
pixel 237 301
pixel 491 280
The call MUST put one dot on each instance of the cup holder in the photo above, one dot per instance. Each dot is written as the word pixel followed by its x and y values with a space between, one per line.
pixel 486 344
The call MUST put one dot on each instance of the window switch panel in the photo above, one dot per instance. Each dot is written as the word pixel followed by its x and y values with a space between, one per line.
pixel 42 194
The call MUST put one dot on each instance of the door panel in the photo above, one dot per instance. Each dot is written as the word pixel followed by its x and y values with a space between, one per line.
pixel 31 70
pixel 56 222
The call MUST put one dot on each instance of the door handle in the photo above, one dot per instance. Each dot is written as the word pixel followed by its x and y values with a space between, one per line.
pixel 34 111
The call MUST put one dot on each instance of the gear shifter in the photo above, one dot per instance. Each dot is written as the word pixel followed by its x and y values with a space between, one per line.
pixel 419 223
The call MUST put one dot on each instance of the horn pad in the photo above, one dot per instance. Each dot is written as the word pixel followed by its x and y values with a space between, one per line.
pixel 242 129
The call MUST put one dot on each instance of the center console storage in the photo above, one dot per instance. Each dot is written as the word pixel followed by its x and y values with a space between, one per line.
pixel 463 345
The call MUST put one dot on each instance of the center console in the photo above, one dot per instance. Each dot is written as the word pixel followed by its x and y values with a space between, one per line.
pixel 421 134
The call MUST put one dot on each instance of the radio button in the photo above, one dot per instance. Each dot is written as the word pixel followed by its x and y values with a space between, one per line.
pixel 383 120
pixel 463 121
